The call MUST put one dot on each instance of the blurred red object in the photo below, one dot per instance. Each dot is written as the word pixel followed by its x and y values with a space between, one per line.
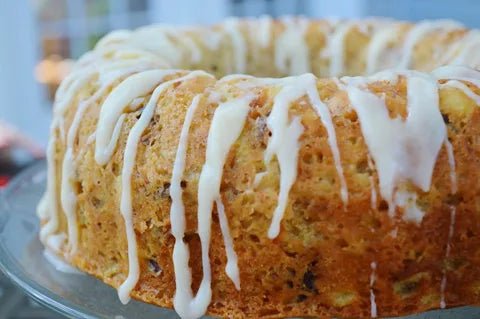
pixel 16 152
pixel 4 180
pixel 11 137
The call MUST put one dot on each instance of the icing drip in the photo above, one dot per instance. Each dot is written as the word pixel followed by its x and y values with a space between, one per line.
pixel 407 149
pixel 232 27
pixel 463 52
pixel 232 260
pixel 59 264
pixel 459 73
pixel 191 46
pixel 336 48
pixel 284 145
pixel 464 88
pixel 373 191
pixel 373 278
pixel 291 49
pixel 47 208
pixel 111 113
pixel 377 46
pixel 174 44
pixel 163 46
pixel 130 153
pixel 83 150
pixel 451 227
pixel 184 303
pixel 227 124
pixel 324 114
pixel 211 39
pixel 68 199
pixel 418 32
pixel 264 32
pixel 455 74
pixel 65 97
pixel 258 178
pixel 55 242
pixel 451 163
pixel 284 140
pixel 408 200
pixel 68 196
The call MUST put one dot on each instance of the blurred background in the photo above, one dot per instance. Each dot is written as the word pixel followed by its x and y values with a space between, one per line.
pixel 40 39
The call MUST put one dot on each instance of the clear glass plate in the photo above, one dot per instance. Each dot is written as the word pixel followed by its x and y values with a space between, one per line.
pixel 79 296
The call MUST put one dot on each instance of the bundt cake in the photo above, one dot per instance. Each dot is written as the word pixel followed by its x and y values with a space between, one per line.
pixel 347 193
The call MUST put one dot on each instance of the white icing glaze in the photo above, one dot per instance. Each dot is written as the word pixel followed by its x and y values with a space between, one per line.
pixel 130 153
pixel 66 98
pixel 451 229
pixel 60 126
pixel 67 83
pixel 455 74
pixel 232 28
pixel 464 88
pixel 192 47
pixel 68 197
pixel 373 191
pixel 418 32
pixel 378 43
pixel 463 52
pixel 211 39
pixel 373 278
pixel 407 149
pixel 310 86
pixel 176 39
pixel 291 50
pixel 284 145
pixel 263 31
pixel 451 163
pixel 258 178
pixel 232 260
pixel 110 119
pixel 56 242
pixel 453 213
pixel 47 208
pixel 335 44
pixel 227 124
pixel 184 303
pixel 284 140
pixel 163 46
pixel 411 211
pixel 336 48
pixel 83 150
pixel 59 264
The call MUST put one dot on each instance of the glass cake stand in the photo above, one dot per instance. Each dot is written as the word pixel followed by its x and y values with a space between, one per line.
pixel 79 295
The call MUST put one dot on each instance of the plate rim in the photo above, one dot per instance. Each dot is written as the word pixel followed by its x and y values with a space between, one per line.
pixel 37 292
